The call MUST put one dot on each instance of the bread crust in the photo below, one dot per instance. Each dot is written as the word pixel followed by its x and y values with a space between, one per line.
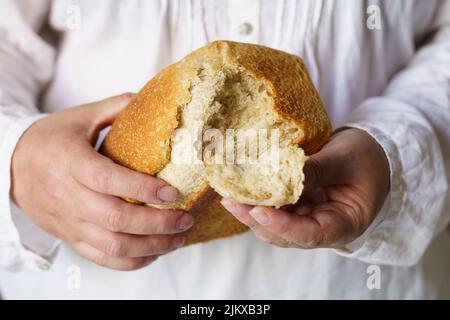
pixel 140 137
pixel 296 98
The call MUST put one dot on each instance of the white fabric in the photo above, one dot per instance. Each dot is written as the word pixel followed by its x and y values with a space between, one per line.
pixel 388 82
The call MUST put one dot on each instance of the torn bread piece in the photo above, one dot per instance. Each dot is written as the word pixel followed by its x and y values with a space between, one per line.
pixel 221 88
pixel 232 100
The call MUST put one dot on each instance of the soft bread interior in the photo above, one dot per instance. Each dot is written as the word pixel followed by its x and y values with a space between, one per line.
pixel 229 98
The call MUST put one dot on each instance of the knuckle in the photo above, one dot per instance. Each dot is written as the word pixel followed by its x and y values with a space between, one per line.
pixel 115 248
pixel 159 224
pixel 100 259
pixel 166 244
pixel 162 244
pixel 263 238
pixel 316 240
pixel 284 225
pixel 316 169
pixel 166 222
pixel 146 189
pixel 284 229
pixel 134 264
pixel 99 176
pixel 143 188
pixel 115 219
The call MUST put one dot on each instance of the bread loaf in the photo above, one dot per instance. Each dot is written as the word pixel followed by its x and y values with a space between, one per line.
pixel 222 89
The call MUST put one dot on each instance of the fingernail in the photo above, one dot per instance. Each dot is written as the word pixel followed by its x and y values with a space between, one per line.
pixel 260 216
pixel 167 194
pixel 185 222
pixel 178 241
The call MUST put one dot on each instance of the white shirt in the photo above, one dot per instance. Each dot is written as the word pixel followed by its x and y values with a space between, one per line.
pixel 374 71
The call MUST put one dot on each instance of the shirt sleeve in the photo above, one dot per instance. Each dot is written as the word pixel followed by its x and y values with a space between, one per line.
pixel 411 121
pixel 26 64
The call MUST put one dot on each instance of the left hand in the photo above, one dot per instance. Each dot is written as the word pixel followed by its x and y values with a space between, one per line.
pixel 346 184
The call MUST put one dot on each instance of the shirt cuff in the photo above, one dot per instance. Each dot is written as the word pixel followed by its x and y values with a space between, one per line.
pixel 22 245
pixel 365 246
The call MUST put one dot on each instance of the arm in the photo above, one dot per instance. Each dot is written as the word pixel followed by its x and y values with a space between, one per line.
pixel 411 122
pixel 24 74
pixel 51 171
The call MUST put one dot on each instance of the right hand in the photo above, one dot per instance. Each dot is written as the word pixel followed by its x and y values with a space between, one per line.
pixel 72 192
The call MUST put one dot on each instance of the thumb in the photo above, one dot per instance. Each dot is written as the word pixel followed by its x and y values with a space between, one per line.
pixel 100 114
pixel 104 112
pixel 322 169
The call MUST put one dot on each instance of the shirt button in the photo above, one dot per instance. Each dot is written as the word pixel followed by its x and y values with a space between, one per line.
pixel 41 265
pixel 245 29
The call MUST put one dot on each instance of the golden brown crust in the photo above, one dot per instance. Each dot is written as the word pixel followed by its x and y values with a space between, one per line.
pixel 295 97
pixel 212 221
pixel 140 137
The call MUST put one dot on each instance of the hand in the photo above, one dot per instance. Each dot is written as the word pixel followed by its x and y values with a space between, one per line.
pixel 72 192
pixel 346 184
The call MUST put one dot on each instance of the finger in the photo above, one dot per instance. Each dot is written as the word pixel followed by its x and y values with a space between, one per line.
pixel 125 245
pixel 327 226
pixel 302 207
pixel 241 212
pixel 124 264
pixel 319 172
pixel 339 223
pixel 101 174
pixel 116 215
pixel 314 196
pixel 302 231
pixel 329 166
